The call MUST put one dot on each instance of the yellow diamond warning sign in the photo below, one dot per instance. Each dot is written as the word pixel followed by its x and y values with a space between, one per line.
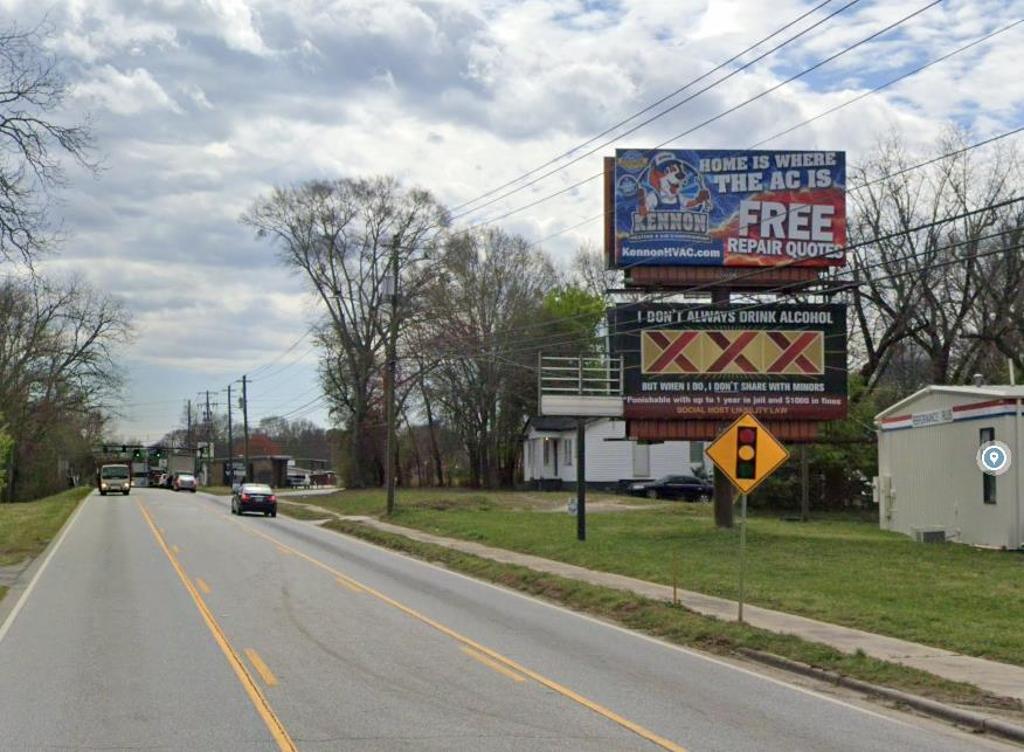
pixel 747 453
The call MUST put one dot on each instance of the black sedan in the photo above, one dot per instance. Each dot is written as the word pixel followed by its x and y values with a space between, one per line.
pixel 686 487
pixel 254 497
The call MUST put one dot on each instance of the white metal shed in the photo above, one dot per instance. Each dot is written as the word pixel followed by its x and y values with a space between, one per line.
pixel 928 478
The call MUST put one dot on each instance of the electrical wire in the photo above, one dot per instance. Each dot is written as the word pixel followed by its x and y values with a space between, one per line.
pixel 720 115
pixel 662 113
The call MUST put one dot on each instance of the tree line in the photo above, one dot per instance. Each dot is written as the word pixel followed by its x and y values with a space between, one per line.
pixel 934 283
pixel 57 334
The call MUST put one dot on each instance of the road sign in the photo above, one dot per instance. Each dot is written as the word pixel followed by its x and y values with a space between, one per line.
pixel 747 453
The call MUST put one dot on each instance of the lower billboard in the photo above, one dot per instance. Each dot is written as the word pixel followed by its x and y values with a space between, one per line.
pixel 703 362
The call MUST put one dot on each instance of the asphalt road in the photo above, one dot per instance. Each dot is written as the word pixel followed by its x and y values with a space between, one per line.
pixel 163 622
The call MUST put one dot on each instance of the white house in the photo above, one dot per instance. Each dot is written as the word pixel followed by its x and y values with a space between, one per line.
pixel 549 454
pixel 928 478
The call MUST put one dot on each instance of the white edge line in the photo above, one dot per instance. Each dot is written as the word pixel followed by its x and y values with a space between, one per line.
pixel 639 635
pixel 42 568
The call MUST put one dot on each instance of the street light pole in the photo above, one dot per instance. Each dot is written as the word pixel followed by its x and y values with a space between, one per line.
pixel 390 443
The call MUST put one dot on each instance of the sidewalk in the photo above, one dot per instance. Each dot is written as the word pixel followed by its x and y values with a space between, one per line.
pixel 1000 679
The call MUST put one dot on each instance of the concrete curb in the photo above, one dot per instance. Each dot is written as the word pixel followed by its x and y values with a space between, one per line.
pixel 970 719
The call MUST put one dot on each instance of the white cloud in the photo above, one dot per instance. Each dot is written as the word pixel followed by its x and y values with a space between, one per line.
pixel 237 25
pixel 456 96
pixel 126 93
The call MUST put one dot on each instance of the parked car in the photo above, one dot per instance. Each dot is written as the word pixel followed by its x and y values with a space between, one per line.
pixel 163 480
pixel 686 487
pixel 185 482
pixel 113 479
pixel 254 497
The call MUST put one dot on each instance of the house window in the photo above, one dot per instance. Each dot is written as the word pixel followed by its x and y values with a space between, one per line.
pixel 697 453
pixel 567 454
pixel 547 451
pixel 988 482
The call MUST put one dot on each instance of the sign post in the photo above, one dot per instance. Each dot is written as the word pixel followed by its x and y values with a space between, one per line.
pixel 743 548
pixel 746 453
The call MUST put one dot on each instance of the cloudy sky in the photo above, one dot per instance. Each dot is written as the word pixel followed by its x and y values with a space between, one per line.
pixel 200 106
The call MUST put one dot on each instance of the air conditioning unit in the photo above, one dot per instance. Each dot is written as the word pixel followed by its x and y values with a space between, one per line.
pixel 930 535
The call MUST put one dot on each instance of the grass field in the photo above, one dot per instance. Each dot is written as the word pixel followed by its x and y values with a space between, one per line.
pixel 835 569
pixel 26 527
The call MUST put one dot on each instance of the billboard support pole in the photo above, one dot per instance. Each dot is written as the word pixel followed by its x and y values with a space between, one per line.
pixel 581 479
pixel 723 490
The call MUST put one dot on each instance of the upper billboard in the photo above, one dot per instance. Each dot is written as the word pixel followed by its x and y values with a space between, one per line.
pixel 726 207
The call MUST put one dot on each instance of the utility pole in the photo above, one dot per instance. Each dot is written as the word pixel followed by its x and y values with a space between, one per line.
pixel 231 445
pixel 391 443
pixel 191 446
pixel 208 452
pixel 245 426
pixel 722 486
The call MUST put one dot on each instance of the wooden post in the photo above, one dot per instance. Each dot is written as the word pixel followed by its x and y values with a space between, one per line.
pixel 805 485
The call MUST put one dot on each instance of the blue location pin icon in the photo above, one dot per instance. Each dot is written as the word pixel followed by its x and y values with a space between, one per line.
pixel 994 458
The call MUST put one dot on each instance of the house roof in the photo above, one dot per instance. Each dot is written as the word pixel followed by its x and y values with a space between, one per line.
pixel 991 391
pixel 552 423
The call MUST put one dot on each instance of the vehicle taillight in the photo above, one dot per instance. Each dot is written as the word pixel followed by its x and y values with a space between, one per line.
pixel 273 497
pixel 245 497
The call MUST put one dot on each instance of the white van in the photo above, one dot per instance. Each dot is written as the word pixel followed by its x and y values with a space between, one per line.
pixel 114 479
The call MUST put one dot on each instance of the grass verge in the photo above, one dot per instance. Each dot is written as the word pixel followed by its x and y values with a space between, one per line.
pixel 679 625
pixel 26 527
pixel 837 568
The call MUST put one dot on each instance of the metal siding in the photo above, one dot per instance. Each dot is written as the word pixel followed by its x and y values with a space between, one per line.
pixel 937 481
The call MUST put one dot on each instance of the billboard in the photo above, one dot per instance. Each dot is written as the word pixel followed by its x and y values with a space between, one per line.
pixel 698 362
pixel 727 207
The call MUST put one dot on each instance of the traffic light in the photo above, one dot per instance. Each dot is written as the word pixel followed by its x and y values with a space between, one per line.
pixel 137 455
pixel 746 453
pixel 124 449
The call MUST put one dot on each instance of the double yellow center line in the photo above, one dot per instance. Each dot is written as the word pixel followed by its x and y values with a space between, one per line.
pixel 479 652
pixel 259 700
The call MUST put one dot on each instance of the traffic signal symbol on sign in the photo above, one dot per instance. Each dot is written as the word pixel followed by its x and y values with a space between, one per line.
pixel 747 453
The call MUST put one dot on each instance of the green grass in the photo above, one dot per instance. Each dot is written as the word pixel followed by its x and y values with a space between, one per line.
pixel 373 501
pixel 836 569
pixel 680 625
pixel 26 527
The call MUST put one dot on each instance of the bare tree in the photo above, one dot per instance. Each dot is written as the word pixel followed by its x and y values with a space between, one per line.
pixel 922 268
pixel 484 311
pixel 57 365
pixel 32 141
pixel 348 238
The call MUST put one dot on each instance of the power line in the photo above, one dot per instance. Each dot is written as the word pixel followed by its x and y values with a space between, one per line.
pixel 660 101
pixel 890 82
pixel 720 115
pixel 544 342
pixel 755 271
